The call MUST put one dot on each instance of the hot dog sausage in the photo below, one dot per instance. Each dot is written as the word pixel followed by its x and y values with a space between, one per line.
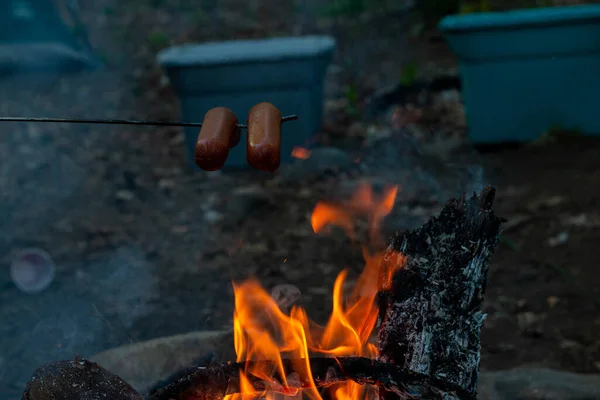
pixel 218 134
pixel 263 146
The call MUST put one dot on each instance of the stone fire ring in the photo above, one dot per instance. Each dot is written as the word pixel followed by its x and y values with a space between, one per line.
pixel 145 363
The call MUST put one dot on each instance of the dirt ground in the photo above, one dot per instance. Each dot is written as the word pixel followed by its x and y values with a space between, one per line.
pixel 544 283
pixel 145 247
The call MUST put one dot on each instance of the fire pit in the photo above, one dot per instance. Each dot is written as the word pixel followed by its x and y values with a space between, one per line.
pixel 424 293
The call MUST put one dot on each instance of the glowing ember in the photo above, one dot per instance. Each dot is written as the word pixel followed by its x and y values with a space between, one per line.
pixel 262 331
pixel 301 153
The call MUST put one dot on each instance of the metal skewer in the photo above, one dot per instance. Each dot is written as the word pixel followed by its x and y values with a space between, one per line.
pixel 121 121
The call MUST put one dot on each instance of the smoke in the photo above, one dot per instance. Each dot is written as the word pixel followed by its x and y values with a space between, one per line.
pixel 429 170
pixel 132 298
pixel 36 176
pixel 92 308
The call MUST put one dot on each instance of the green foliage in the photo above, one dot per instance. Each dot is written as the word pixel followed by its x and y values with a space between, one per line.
pixel 409 74
pixel 350 8
pixel 158 40
pixel 475 6
pixel 346 8
pixel 201 16
pixel 352 99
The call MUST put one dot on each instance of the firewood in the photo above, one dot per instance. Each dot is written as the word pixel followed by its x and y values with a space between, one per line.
pixel 216 381
pixel 432 315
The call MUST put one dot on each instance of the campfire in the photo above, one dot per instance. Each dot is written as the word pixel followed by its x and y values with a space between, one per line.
pixel 407 328
pixel 262 331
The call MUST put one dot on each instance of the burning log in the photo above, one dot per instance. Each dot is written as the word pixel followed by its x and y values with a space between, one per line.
pixel 431 316
pixel 217 381
pixel 431 288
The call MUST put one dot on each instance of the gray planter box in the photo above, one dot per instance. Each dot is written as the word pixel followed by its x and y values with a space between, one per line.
pixel 288 72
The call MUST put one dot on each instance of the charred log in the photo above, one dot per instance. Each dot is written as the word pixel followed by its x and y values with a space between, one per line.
pixel 77 380
pixel 216 381
pixel 431 316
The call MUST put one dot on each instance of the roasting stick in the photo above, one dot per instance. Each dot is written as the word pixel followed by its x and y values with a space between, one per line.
pixel 219 132
pixel 122 121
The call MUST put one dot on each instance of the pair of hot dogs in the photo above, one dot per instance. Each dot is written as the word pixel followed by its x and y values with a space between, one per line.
pixel 220 132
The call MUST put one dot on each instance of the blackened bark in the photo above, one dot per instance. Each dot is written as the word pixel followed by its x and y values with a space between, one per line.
pixel 431 317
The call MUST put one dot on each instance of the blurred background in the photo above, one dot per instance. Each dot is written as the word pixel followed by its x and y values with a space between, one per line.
pixel 109 236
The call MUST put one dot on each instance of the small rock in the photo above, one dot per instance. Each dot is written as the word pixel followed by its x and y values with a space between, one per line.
pixel 212 216
pixel 164 81
pixel 559 239
pixel 357 129
pixel 552 301
pixel 537 384
pixel 256 248
pixel 124 195
pixel 142 364
pixel 177 139
pixel 77 379
pixel 530 323
pixel 166 184
pixel 305 193
pixel 515 221
pixel 180 229
pixel 247 200
pixel 285 296
pixel 582 220
pixel 545 203
pixel 569 344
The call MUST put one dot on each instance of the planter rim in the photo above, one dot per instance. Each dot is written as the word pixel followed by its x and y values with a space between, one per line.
pixel 246 51
pixel 520 18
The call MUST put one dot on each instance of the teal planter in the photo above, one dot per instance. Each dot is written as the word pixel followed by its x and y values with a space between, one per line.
pixel 34 38
pixel 288 72
pixel 526 71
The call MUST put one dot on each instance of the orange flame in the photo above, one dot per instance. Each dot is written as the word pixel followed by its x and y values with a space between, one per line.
pixel 262 331
pixel 363 202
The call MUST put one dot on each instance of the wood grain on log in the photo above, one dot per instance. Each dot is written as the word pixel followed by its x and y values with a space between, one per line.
pixel 431 317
